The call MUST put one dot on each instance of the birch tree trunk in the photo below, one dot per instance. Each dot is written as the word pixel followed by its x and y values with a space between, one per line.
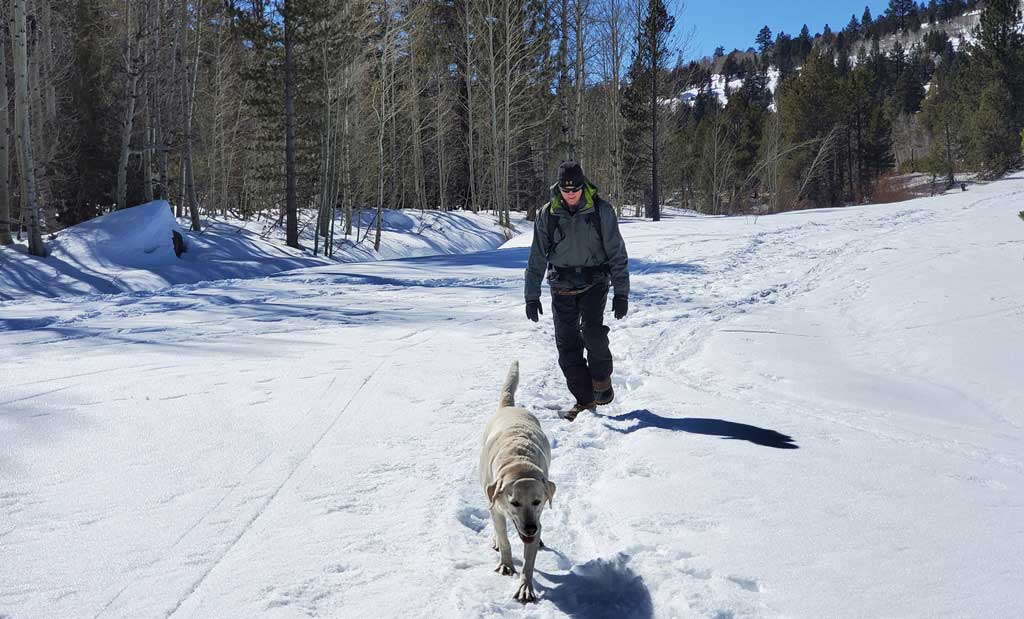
pixel 133 70
pixel 23 129
pixel 327 170
pixel 580 75
pixel 441 116
pixel 419 173
pixel 489 23
pixel 468 31
pixel 613 45
pixel 5 153
pixel 147 147
pixel 43 75
pixel 291 168
pixel 348 197
pixel 386 109
pixel 192 75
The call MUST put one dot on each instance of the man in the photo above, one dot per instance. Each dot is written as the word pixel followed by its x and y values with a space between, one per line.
pixel 576 239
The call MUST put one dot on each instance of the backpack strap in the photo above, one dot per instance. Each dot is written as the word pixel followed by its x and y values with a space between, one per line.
pixel 594 218
pixel 552 227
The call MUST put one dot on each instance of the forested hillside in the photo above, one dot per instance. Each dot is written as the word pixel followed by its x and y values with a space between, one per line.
pixel 290 108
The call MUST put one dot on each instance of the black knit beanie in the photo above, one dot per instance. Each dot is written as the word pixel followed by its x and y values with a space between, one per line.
pixel 570 175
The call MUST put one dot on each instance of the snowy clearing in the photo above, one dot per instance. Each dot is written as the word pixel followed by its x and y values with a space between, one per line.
pixel 818 414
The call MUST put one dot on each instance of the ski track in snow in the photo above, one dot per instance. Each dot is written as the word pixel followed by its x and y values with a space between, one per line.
pixel 338 510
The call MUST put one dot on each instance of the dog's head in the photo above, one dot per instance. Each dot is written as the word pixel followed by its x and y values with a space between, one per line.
pixel 522 501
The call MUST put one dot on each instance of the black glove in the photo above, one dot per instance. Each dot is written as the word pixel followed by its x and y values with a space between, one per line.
pixel 533 308
pixel 621 306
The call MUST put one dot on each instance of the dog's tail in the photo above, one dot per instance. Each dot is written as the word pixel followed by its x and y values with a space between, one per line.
pixel 508 390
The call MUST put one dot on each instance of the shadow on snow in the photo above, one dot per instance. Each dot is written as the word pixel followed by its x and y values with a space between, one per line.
pixel 712 427
pixel 601 589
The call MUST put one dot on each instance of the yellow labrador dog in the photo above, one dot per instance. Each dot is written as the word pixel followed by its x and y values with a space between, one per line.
pixel 514 464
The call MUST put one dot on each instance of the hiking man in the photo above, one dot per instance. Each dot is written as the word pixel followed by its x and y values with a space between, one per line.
pixel 576 240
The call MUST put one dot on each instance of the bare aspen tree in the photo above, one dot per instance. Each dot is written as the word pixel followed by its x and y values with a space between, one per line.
pixel 188 103
pixel 5 154
pixel 417 22
pixel 519 49
pixel 148 113
pixel 771 149
pixel 469 70
pixel 336 71
pixel 568 147
pixel 580 73
pixel 291 166
pixel 133 66
pixel 224 114
pixel 347 198
pixel 718 167
pixel 442 119
pixel 613 46
pixel 385 105
pixel 489 65
pixel 50 69
pixel 23 128
pixel 165 118
pixel 49 136
pixel 147 150
pixel 328 148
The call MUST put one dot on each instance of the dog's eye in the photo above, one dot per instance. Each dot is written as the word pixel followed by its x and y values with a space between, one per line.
pixel 515 503
pixel 536 503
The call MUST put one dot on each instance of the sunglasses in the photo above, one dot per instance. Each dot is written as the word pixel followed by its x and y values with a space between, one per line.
pixel 571 189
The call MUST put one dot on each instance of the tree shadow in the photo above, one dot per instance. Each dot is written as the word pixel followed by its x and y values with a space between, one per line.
pixel 713 427
pixel 646 267
pixel 601 589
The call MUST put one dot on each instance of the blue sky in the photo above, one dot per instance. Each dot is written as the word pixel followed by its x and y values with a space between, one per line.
pixel 735 23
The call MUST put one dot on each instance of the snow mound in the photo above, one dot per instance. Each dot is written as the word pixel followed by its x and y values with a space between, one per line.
pixel 132 250
pixel 137 237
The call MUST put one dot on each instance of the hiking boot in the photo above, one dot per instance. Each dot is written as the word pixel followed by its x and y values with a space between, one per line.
pixel 603 392
pixel 577 409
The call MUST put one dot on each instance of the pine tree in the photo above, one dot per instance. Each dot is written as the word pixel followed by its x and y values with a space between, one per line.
pixel 993 137
pixel 899 11
pixel 853 27
pixel 943 115
pixel 1002 41
pixel 999 114
pixel 764 41
pixel 804 44
pixel 810 109
pixel 646 83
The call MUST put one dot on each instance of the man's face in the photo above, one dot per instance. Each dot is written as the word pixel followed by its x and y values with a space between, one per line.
pixel 571 197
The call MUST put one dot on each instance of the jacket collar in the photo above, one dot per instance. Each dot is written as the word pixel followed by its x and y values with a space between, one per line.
pixel 587 204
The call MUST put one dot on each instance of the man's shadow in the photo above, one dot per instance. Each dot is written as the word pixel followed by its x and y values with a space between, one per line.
pixel 600 589
pixel 713 427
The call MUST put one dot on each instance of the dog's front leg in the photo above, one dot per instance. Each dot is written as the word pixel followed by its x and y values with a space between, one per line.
pixel 525 592
pixel 505 567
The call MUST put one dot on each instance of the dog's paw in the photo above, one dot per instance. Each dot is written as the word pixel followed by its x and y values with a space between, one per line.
pixel 505 569
pixel 494 545
pixel 525 592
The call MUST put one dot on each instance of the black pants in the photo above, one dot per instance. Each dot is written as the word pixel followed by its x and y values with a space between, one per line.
pixel 579 324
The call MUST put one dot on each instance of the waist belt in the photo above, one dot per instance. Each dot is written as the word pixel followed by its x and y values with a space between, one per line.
pixel 588 272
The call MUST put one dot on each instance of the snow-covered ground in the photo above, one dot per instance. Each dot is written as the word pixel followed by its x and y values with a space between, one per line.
pixel 818 414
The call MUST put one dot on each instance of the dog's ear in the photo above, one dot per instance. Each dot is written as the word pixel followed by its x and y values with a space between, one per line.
pixel 551 491
pixel 492 493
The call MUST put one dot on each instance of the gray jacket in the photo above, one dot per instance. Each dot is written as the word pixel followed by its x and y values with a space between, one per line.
pixel 579 255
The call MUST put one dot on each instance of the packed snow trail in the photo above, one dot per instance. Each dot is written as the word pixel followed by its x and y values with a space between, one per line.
pixel 816 414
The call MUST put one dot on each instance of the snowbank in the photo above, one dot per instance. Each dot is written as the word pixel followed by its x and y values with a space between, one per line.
pixel 132 250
